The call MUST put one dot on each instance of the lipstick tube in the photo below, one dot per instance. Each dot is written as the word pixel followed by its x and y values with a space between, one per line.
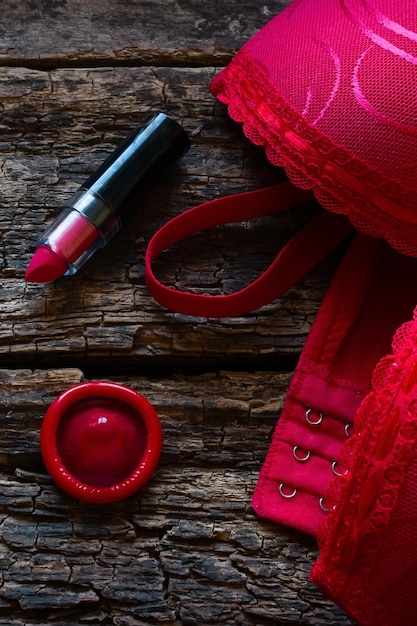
pixel 95 212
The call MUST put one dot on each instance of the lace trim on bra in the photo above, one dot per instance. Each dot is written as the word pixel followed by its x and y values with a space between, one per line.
pixel 372 465
pixel 375 205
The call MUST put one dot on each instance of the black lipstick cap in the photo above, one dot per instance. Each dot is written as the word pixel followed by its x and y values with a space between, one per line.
pixel 136 165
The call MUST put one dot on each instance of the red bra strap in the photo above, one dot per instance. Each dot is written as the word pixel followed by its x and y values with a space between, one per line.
pixel 303 252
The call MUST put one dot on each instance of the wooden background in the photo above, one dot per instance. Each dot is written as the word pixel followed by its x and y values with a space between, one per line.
pixel 76 77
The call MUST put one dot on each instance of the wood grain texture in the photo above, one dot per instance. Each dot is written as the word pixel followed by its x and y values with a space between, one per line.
pixel 185 550
pixel 76 77
pixel 171 32
pixel 65 123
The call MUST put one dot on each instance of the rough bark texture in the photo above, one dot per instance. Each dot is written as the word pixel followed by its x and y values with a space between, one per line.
pixel 76 76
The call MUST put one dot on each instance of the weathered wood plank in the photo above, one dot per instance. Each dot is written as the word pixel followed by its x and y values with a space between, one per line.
pixel 197 559
pixel 57 127
pixel 59 32
pixel 197 410
pixel 187 549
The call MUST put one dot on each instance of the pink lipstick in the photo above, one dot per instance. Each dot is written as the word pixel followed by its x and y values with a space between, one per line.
pixel 94 214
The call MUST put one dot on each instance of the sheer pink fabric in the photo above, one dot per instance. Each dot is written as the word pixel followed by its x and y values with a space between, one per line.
pixel 368 542
pixel 328 87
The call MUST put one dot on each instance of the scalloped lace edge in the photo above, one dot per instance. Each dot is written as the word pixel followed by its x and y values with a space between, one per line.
pixel 340 183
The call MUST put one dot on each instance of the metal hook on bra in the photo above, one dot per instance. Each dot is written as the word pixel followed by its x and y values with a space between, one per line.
pixel 313 422
pixel 348 428
pixel 301 459
pixel 288 496
pixel 323 506
pixel 334 469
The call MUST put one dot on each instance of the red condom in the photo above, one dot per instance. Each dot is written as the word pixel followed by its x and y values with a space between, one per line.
pixel 101 441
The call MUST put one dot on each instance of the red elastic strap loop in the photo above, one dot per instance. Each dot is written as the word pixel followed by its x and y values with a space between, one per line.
pixel 303 252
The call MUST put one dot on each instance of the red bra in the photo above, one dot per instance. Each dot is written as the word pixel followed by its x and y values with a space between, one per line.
pixel 327 88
